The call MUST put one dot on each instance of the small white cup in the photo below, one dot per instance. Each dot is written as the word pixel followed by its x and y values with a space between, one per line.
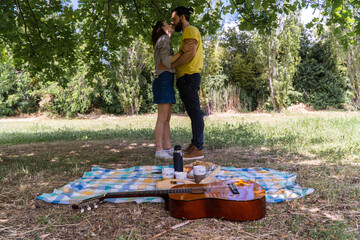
pixel 180 175
pixel 199 173
pixel 199 170
pixel 168 173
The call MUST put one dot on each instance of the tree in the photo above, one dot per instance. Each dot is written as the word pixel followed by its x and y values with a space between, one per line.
pixel 350 58
pixel 353 69
pixel 278 53
pixel 41 35
pixel 213 79
pixel 44 35
pixel 17 91
pixel 319 77
pixel 263 15
pixel 128 66
pixel 239 62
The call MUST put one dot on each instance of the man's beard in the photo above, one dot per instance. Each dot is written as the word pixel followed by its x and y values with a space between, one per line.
pixel 178 27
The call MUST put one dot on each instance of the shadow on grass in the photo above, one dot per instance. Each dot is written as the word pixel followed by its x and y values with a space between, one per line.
pixel 216 136
pixel 67 157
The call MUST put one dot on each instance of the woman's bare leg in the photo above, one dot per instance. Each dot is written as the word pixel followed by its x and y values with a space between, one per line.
pixel 166 133
pixel 162 118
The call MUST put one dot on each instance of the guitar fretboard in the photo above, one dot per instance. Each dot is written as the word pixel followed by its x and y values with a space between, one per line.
pixel 147 193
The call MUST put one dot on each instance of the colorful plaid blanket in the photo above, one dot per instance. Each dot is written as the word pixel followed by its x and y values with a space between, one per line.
pixel 279 186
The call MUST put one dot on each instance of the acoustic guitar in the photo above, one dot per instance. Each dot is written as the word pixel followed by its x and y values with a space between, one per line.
pixel 237 200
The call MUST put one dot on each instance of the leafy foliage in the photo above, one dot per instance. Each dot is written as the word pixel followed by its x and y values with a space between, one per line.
pixel 350 59
pixel 278 53
pixel 75 98
pixel 68 61
pixel 41 35
pixel 46 35
pixel 264 15
pixel 353 69
pixel 17 91
pixel 239 61
pixel 128 68
pixel 319 78
pixel 213 79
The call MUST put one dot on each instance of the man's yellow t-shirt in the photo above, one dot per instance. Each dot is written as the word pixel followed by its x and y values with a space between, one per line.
pixel 196 64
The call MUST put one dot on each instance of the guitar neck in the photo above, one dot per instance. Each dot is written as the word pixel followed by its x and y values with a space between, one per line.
pixel 149 193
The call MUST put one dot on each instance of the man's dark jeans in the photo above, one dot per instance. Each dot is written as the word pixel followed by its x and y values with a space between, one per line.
pixel 189 86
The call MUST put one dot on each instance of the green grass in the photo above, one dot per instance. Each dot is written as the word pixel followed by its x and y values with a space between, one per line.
pixel 333 138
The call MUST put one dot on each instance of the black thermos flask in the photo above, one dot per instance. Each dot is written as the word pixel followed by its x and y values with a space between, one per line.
pixel 178 159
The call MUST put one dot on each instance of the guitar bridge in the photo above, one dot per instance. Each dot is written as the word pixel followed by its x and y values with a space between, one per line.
pixel 233 188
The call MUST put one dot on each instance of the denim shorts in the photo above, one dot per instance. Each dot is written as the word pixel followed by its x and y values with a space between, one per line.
pixel 163 88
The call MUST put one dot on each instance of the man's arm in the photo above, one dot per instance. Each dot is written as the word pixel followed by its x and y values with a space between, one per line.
pixel 188 53
pixel 187 56
pixel 184 49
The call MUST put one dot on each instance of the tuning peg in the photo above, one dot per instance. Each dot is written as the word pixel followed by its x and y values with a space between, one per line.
pixel 88 208
pixel 82 210
pixel 95 206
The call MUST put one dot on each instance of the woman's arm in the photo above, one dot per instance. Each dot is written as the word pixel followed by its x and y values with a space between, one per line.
pixel 175 57
pixel 164 51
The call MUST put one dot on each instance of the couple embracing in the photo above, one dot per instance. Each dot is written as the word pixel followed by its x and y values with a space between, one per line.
pixel 187 63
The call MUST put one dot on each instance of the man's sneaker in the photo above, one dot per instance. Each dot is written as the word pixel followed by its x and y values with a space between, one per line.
pixel 162 154
pixel 194 153
pixel 186 150
pixel 170 151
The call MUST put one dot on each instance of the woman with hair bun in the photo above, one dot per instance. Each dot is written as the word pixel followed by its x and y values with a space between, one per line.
pixel 163 86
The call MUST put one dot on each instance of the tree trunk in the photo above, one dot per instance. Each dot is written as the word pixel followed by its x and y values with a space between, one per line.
pixel 270 77
pixel 354 81
pixel 272 92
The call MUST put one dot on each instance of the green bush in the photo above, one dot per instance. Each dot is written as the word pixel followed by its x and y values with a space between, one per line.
pixel 17 91
pixel 319 78
pixel 67 101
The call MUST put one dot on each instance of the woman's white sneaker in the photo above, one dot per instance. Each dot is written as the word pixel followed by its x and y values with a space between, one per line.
pixel 170 151
pixel 162 154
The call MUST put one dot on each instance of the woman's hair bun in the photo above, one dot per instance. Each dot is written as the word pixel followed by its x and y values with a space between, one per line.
pixel 190 9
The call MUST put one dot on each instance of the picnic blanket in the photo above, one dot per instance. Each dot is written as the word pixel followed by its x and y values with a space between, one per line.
pixel 279 186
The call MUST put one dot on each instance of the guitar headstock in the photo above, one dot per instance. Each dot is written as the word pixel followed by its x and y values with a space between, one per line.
pixel 89 204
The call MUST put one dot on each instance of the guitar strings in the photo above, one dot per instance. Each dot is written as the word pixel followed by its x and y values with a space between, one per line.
pixel 165 191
